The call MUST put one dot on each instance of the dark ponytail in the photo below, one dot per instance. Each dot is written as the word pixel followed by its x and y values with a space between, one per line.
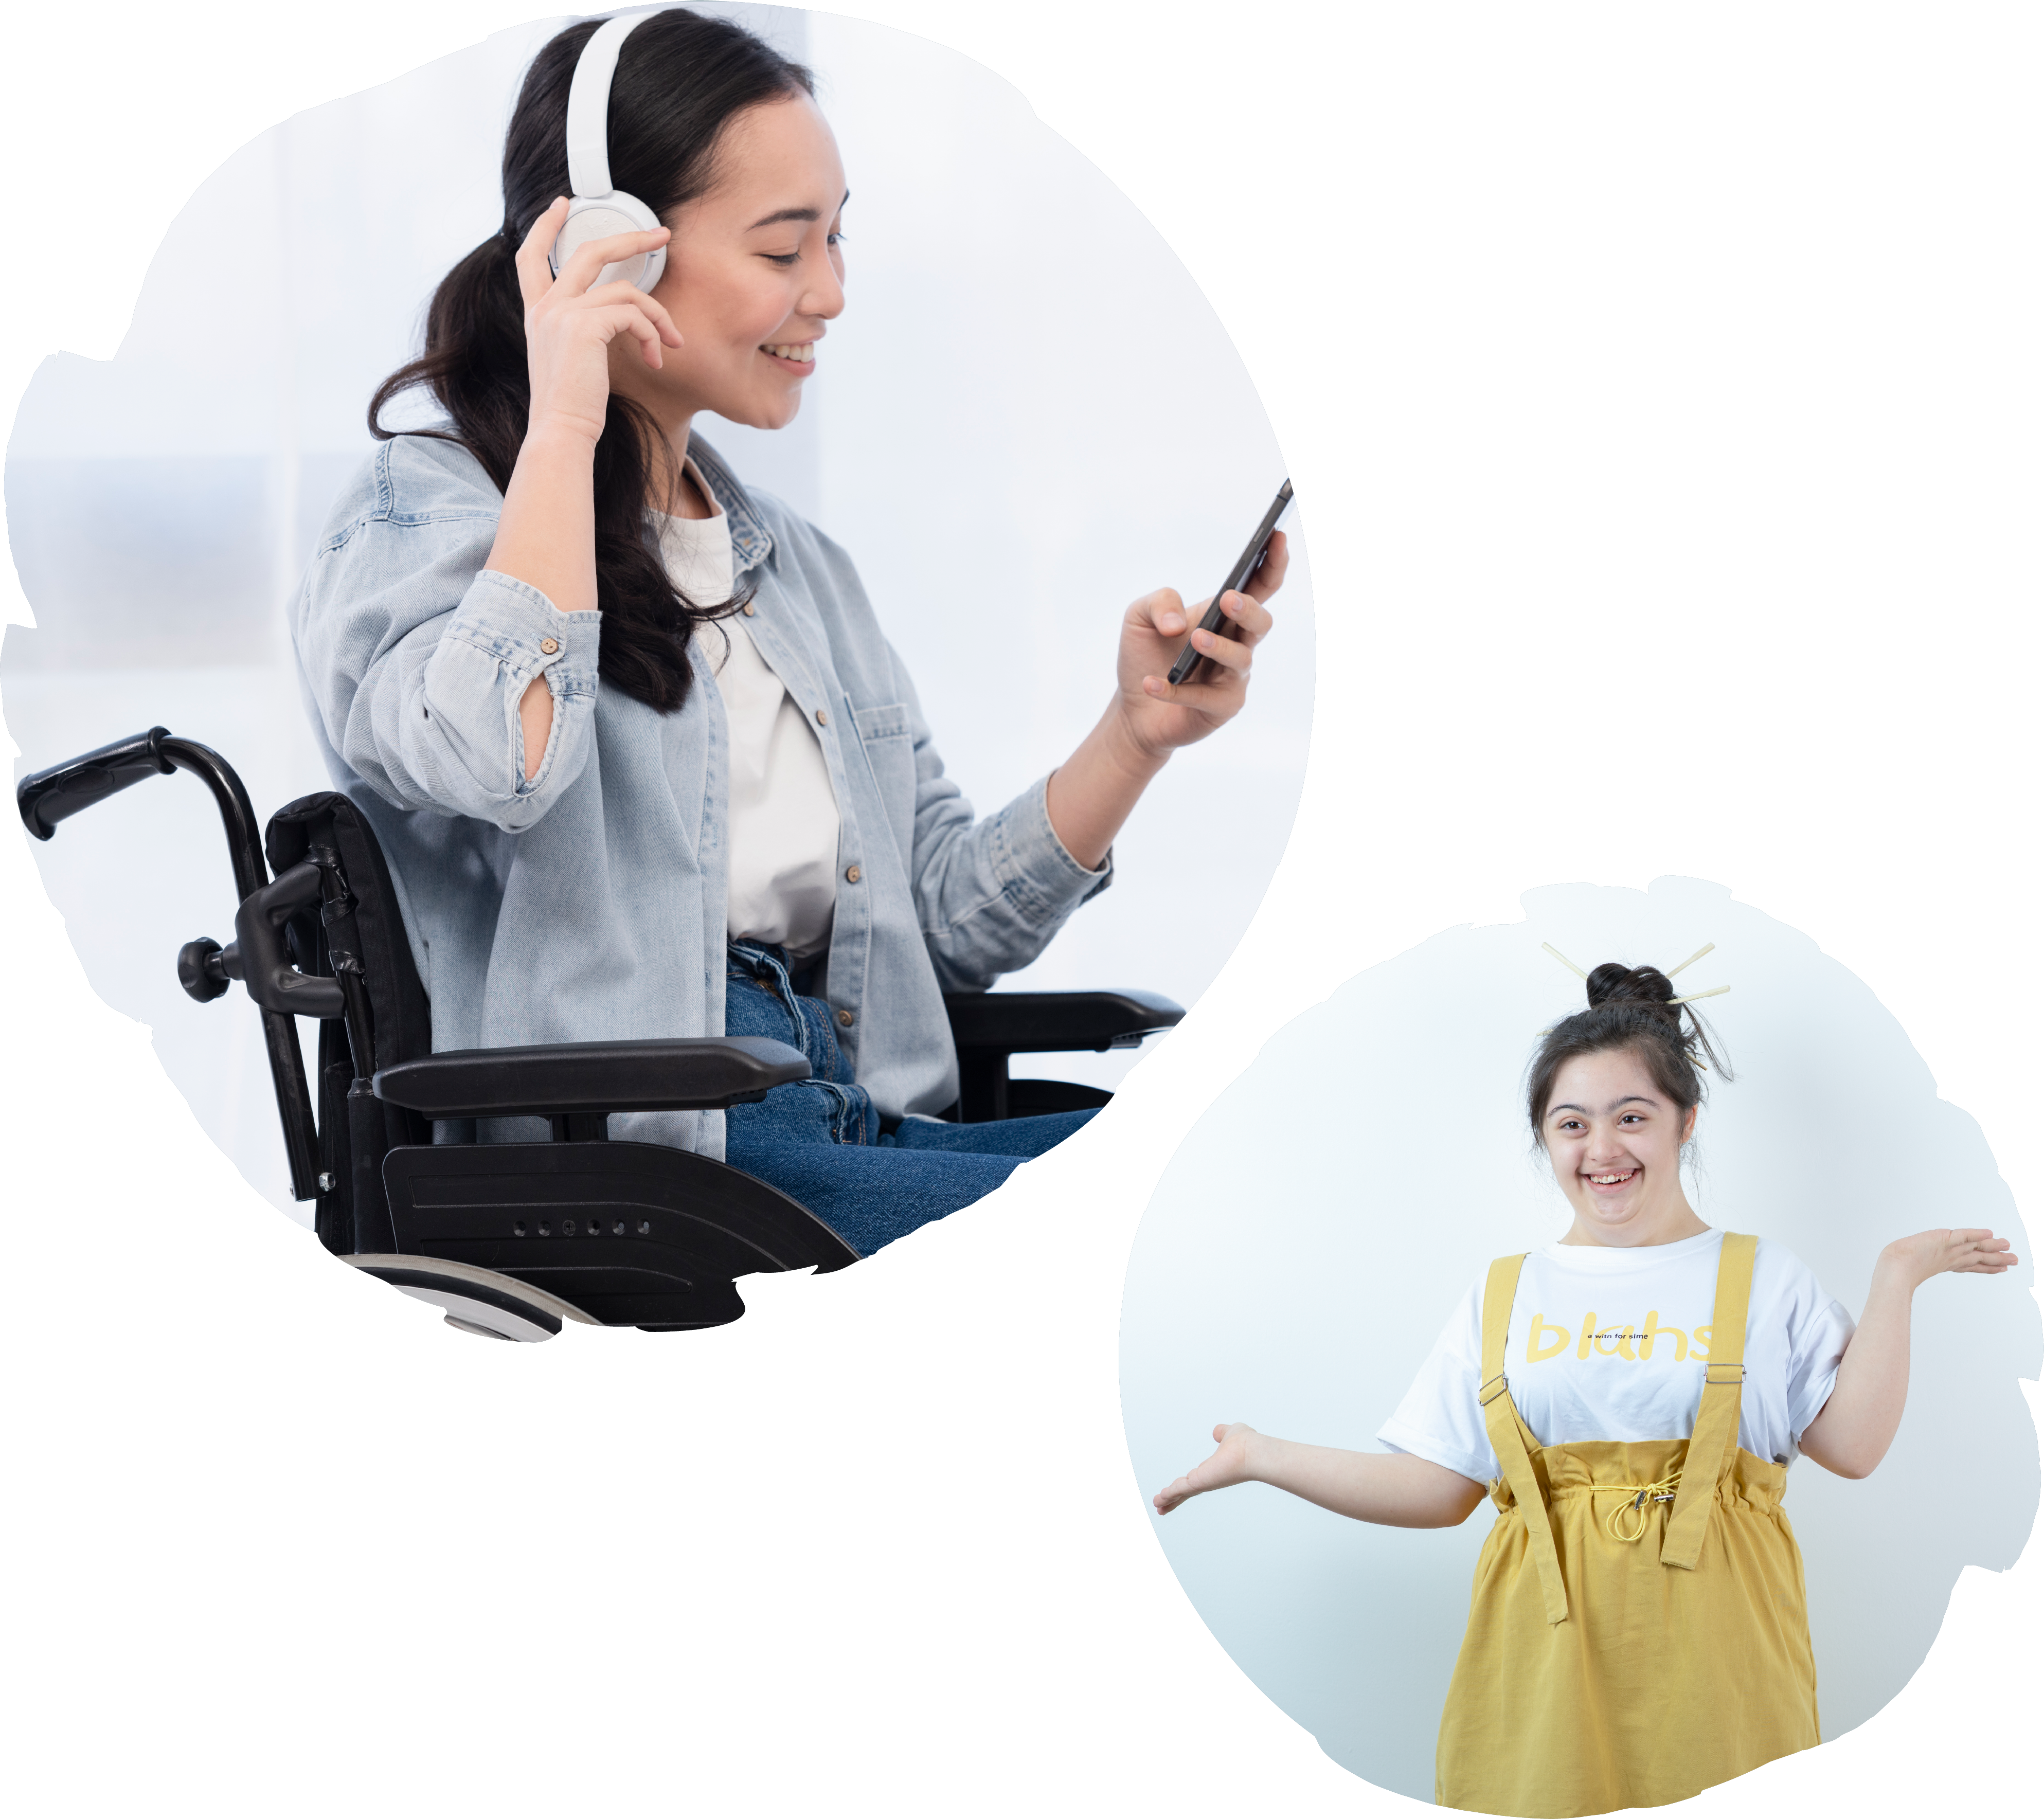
pixel 1630 1007
pixel 681 79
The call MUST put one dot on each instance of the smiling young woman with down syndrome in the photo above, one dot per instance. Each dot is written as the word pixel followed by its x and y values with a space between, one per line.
pixel 1631 1398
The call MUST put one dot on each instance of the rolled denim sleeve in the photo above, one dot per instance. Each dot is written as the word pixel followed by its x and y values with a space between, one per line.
pixel 415 657
pixel 990 893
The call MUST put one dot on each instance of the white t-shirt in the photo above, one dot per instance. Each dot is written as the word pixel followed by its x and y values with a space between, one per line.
pixel 782 886
pixel 1610 1344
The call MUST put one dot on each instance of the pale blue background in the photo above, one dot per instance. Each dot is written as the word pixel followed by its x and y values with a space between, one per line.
pixel 1309 1241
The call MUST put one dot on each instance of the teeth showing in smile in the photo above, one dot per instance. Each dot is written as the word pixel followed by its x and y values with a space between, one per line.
pixel 1612 1180
pixel 804 351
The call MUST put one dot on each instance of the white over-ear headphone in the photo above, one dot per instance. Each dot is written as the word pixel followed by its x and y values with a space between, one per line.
pixel 597 211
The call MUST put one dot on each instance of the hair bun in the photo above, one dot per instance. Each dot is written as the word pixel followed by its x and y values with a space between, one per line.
pixel 1612 983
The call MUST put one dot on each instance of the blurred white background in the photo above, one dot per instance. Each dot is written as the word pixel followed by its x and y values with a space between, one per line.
pixel 1299 1286
pixel 1027 416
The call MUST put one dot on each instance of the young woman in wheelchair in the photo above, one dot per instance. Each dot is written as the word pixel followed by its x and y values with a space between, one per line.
pixel 1631 1397
pixel 642 759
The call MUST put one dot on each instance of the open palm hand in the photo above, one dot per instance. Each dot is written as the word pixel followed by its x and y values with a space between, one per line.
pixel 1227 1464
pixel 1962 1251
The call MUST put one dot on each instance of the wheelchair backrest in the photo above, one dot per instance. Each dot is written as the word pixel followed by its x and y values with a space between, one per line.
pixel 401 1014
pixel 363 933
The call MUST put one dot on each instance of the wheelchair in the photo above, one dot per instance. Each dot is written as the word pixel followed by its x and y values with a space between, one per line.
pixel 515 1240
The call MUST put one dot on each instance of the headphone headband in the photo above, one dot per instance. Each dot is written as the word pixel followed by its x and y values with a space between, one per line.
pixel 589 104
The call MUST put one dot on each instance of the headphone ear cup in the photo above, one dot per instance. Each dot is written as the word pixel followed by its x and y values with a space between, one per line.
pixel 598 218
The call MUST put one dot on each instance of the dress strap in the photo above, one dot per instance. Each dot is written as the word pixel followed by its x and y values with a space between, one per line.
pixel 1509 1435
pixel 1714 1440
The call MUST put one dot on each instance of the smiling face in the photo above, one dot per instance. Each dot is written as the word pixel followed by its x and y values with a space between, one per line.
pixel 1615 1143
pixel 753 275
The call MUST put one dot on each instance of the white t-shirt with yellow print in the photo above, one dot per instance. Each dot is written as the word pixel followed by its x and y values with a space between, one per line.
pixel 1610 1344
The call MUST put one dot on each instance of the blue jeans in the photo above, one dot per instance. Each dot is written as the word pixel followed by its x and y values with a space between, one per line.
pixel 820 1140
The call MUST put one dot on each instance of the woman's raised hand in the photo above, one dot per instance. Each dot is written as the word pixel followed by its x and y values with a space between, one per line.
pixel 1853 1430
pixel 1229 1464
pixel 569 327
pixel 1967 1252
pixel 1161 718
pixel 546 534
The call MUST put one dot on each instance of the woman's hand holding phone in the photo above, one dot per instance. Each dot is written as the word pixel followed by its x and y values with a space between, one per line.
pixel 1161 716
pixel 1090 795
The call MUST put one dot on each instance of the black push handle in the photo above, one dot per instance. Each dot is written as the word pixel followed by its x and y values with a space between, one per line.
pixel 56 794
pixel 48 797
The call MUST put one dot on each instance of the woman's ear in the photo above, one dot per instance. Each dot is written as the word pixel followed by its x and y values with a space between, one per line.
pixel 1690 1124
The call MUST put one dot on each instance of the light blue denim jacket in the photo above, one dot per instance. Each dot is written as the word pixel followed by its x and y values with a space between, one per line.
pixel 587 903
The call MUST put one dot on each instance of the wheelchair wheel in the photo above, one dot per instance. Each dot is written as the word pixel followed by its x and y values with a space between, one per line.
pixel 481 1302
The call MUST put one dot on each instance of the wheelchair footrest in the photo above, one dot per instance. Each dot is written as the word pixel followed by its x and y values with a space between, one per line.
pixel 633 1235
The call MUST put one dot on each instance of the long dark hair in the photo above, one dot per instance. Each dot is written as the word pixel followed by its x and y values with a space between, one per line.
pixel 681 79
pixel 1629 1008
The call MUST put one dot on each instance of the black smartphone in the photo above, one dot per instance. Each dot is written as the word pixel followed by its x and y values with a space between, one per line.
pixel 1250 560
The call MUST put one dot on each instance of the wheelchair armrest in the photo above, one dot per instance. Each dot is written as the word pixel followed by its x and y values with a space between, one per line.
pixel 690 1073
pixel 1026 1023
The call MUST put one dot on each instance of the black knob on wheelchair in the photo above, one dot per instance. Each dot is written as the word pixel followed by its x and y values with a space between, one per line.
pixel 205 967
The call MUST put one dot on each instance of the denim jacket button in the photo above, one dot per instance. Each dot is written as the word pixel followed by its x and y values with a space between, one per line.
pixel 549 646
pixel 822 719
pixel 749 609
pixel 851 874
pixel 844 1017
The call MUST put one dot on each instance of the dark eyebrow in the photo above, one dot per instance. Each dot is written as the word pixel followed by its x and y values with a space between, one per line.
pixel 1630 1098
pixel 780 215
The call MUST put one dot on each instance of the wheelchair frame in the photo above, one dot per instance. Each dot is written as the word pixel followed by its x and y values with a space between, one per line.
pixel 514 1240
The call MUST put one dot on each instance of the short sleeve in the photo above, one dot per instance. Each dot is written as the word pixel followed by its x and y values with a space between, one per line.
pixel 1816 1347
pixel 1440 1418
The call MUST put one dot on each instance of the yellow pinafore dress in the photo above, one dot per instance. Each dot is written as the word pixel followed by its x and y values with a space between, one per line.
pixel 1637 1627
